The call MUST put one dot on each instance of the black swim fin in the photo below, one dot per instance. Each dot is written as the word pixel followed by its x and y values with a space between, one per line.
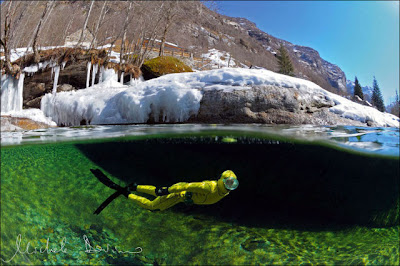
pixel 108 201
pixel 104 179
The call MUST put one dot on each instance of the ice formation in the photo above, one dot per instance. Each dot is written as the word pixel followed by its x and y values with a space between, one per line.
pixel 122 78
pixel 112 103
pixel 11 93
pixel 101 74
pixel 89 65
pixel 94 72
pixel 56 74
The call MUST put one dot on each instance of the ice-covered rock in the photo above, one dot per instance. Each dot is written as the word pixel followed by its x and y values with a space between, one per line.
pixel 216 96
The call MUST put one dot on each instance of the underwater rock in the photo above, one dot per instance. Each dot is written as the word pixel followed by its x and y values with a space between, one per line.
pixel 252 244
pixel 9 123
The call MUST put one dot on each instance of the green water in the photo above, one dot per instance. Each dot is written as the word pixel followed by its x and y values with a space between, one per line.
pixel 297 203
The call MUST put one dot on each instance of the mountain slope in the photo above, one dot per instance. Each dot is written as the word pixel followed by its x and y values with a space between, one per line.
pixel 196 28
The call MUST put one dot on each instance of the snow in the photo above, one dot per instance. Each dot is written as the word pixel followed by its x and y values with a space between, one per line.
pixel 171 98
pixel 175 97
pixel 219 59
pixel 33 114
pixel 169 43
pixel 112 103
pixel 15 54
pixel 36 67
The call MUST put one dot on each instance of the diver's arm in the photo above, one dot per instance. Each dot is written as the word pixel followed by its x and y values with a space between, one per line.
pixel 197 187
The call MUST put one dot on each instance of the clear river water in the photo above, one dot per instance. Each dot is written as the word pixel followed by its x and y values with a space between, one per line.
pixel 307 195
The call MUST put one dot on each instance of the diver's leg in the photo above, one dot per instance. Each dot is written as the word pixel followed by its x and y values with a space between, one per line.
pixel 151 190
pixel 161 203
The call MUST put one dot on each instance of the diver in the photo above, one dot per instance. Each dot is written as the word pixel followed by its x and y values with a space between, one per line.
pixel 201 193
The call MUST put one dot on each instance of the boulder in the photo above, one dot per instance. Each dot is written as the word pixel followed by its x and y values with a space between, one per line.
pixel 267 104
pixel 35 103
pixel 65 87
pixel 163 65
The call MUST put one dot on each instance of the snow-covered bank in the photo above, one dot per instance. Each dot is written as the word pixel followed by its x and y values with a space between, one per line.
pixel 111 102
pixel 177 97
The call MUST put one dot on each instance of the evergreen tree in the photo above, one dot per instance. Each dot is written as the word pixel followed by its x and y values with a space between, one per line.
pixel 394 108
pixel 357 89
pixel 377 99
pixel 285 65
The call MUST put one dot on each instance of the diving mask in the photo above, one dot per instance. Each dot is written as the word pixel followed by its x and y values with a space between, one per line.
pixel 231 183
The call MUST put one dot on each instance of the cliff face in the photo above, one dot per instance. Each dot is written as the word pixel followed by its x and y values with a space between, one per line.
pixel 307 62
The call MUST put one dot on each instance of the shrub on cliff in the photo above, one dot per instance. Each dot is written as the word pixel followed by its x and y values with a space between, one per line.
pixel 162 65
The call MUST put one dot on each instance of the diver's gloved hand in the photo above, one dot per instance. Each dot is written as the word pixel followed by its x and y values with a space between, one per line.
pixel 129 189
pixel 162 191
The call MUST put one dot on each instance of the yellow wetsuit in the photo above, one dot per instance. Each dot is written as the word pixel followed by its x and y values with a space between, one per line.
pixel 206 192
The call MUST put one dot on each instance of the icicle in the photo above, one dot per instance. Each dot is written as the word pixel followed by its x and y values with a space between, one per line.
pixel 63 65
pixel 56 74
pixel 6 88
pixel 11 93
pixel 101 74
pixel 20 91
pixel 52 70
pixel 122 78
pixel 89 64
pixel 131 81
pixel 94 72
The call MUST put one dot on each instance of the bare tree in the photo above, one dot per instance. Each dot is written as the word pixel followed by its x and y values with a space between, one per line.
pixel 17 22
pixel 101 18
pixel 4 41
pixel 171 12
pixel 85 23
pixel 148 41
pixel 68 26
pixel 121 55
pixel 48 8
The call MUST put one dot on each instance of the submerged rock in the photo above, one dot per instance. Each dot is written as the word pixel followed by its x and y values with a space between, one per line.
pixel 9 123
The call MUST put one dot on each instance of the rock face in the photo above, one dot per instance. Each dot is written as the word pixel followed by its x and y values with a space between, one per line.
pixel 267 104
pixel 307 62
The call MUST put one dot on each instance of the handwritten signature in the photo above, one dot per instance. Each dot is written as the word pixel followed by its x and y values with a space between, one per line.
pixel 30 250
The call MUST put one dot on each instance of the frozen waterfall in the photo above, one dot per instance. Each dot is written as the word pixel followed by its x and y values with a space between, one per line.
pixel 11 93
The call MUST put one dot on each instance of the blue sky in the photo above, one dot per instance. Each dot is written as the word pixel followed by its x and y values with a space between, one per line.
pixel 361 37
